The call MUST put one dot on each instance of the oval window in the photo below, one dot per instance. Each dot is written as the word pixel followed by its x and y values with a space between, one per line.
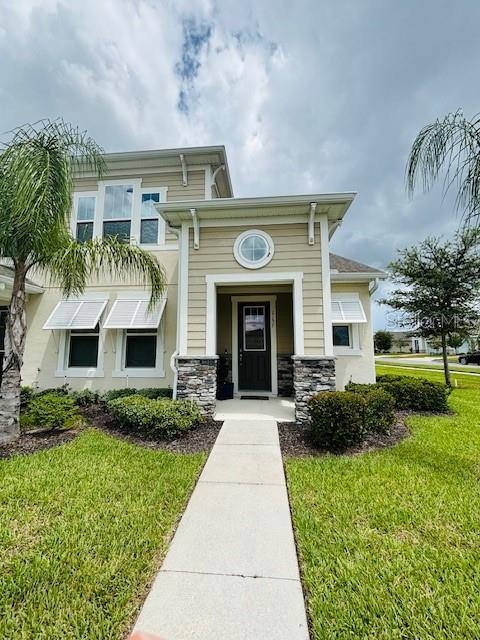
pixel 253 249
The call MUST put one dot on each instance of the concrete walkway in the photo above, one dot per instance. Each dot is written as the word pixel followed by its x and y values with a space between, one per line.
pixel 231 571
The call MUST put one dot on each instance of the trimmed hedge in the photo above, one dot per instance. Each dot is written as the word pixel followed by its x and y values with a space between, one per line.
pixel 162 417
pixel 342 419
pixel 409 393
pixel 50 411
pixel 148 392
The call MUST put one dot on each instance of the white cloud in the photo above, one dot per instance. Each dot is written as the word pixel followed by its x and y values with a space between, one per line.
pixel 307 96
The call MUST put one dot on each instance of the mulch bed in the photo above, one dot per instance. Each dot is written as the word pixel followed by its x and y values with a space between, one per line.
pixel 199 439
pixel 36 441
pixel 295 440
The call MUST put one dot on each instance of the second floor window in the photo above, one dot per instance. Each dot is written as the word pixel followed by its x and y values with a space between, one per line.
pixel 149 221
pixel 85 217
pixel 117 211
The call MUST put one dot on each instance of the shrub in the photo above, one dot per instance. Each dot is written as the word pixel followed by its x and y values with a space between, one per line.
pixel 64 390
pixel 162 417
pixel 85 397
pixel 50 411
pixel 417 394
pixel 379 411
pixel 337 419
pixel 154 393
pixel 113 394
pixel 26 395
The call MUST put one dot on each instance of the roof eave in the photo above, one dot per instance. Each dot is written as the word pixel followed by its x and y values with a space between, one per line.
pixel 365 276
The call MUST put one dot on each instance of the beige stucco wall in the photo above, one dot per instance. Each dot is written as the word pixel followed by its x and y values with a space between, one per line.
pixel 358 368
pixel 292 254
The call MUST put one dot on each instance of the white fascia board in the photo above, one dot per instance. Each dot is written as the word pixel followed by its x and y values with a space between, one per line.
pixel 366 276
pixel 30 287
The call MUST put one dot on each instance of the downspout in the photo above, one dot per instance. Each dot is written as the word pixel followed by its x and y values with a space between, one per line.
pixel 214 175
pixel 174 355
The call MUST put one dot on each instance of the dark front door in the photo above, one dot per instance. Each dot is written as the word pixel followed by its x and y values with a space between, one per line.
pixel 254 348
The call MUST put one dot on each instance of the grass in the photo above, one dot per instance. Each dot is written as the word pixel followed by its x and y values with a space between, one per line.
pixel 436 367
pixel 389 540
pixel 83 527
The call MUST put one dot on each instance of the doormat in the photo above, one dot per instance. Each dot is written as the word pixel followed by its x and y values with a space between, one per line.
pixel 254 398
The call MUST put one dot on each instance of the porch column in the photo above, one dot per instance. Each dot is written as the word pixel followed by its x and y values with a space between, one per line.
pixel 197 380
pixel 311 374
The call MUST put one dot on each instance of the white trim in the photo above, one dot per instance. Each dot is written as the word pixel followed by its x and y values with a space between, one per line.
pixel 208 182
pixel 30 287
pixel 73 219
pixel 158 371
pixel 366 276
pixel 64 371
pixel 355 348
pixel 326 290
pixel 212 280
pixel 183 293
pixel 244 262
pixel 273 341
pixel 311 223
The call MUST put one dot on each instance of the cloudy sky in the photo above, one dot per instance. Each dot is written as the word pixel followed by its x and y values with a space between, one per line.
pixel 307 96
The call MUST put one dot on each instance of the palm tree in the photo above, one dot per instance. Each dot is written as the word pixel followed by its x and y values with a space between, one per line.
pixel 37 168
pixel 451 145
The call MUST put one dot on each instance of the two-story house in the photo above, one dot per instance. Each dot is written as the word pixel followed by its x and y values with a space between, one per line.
pixel 251 283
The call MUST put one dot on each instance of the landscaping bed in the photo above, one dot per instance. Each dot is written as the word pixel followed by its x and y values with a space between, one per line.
pixel 31 442
pixel 197 440
pixel 296 441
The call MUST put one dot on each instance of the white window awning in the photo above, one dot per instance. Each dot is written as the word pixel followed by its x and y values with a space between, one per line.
pixel 76 314
pixel 131 313
pixel 347 311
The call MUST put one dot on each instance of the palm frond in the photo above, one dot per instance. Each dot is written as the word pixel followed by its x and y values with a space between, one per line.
pixel 74 264
pixel 451 145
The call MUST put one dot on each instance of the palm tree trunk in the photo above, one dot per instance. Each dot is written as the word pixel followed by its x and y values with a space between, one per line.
pixel 15 335
pixel 445 360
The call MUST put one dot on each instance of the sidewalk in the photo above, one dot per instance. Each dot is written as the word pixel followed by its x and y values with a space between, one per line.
pixel 231 570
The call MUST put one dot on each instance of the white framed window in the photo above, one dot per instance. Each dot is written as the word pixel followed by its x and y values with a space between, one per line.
pixel 348 316
pixel 140 336
pixel 120 208
pixel 152 225
pixel 253 249
pixel 84 209
pixel 76 324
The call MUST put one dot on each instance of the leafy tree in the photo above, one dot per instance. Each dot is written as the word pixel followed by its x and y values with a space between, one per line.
pixel 382 341
pixel 452 146
pixel 440 285
pixel 37 168
pixel 455 340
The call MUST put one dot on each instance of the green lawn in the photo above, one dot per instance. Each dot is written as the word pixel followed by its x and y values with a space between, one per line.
pixel 83 527
pixel 389 541
pixel 433 366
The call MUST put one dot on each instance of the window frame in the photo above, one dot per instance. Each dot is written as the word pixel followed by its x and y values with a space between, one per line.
pixel 74 219
pixel 81 333
pixel 161 236
pixel 136 217
pixel 63 369
pixel 122 371
pixel 248 264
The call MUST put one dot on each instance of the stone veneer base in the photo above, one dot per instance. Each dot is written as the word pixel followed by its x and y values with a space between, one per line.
pixel 311 374
pixel 197 380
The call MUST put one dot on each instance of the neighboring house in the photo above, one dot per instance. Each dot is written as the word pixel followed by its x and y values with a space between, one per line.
pixel 250 280
pixel 404 342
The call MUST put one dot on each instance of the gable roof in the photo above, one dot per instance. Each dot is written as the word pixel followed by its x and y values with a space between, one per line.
pixel 341 268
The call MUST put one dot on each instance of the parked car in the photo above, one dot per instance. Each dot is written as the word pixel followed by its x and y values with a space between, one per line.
pixel 470 358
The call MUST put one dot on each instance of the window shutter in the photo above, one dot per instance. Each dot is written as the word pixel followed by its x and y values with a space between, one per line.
pixel 134 314
pixel 76 314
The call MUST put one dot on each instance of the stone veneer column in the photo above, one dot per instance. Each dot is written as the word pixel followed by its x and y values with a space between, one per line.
pixel 197 380
pixel 311 374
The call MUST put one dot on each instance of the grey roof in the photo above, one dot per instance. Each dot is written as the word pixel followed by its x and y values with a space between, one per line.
pixel 345 265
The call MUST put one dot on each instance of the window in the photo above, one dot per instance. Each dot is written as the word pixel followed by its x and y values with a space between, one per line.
pixel 149 218
pixel 140 349
pixel 83 348
pixel 254 328
pixel 341 335
pixel 253 249
pixel 117 211
pixel 85 216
